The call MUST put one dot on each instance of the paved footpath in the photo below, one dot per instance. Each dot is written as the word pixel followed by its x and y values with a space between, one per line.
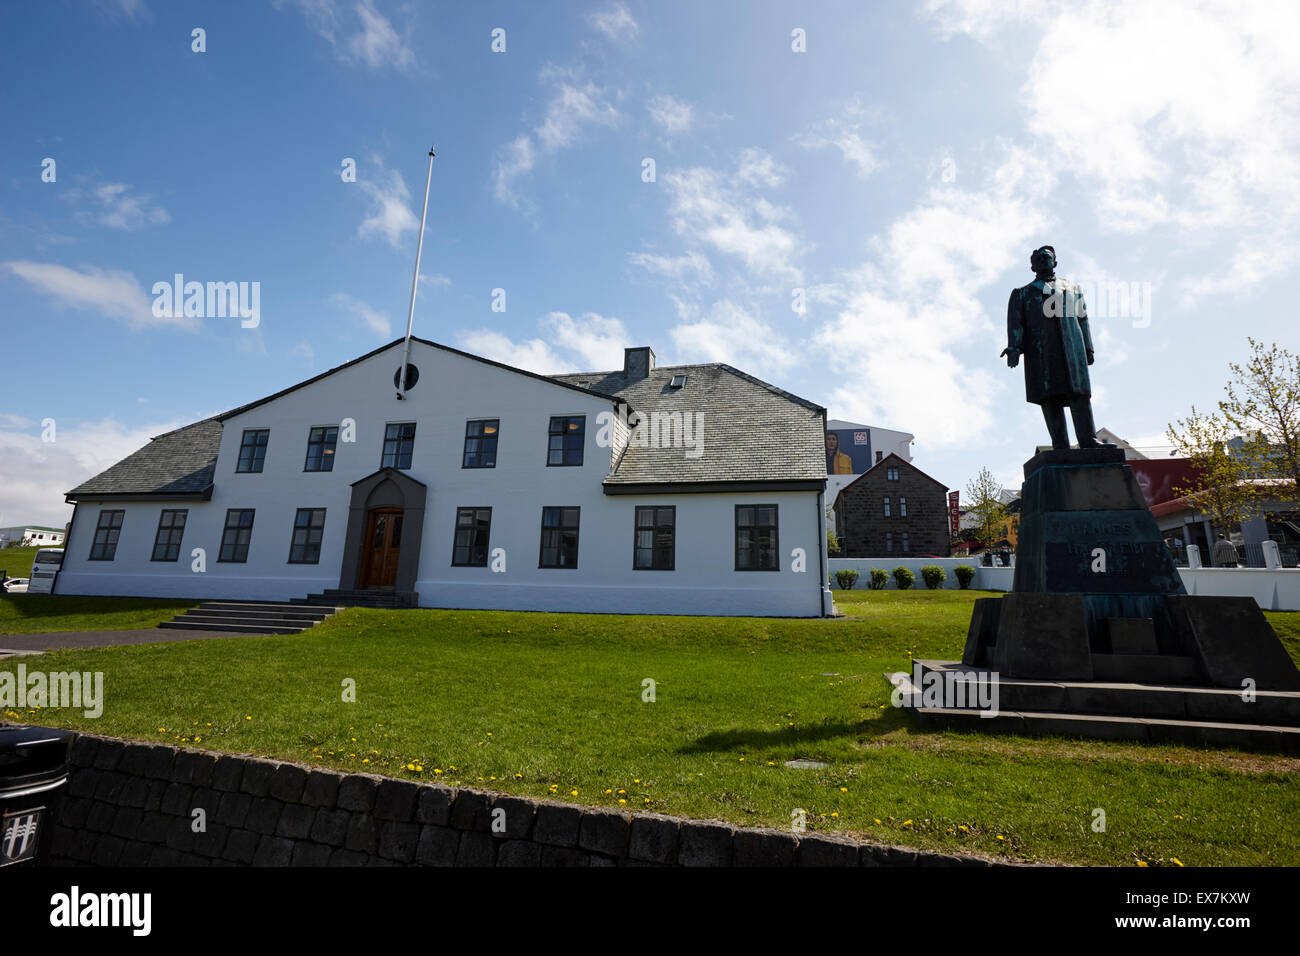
pixel 35 643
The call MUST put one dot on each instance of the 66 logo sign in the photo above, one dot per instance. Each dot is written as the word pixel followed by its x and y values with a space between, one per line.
pixel 20 835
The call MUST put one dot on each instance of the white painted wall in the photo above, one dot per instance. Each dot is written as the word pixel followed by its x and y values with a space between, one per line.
pixel 986 579
pixel 1273 590
pixel 452 390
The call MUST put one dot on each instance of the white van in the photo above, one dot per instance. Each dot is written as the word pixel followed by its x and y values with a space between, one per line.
pixel 45 566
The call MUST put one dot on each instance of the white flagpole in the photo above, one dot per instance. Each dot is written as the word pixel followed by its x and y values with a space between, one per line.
pixel 415 282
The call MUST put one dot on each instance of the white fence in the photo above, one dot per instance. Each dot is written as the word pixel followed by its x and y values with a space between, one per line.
pixel 1274 589
pixel 986 579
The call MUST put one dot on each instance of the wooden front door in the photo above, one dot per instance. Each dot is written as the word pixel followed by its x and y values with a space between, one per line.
pixel 382 545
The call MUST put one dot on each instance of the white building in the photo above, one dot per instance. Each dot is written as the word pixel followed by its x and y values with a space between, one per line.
pixel 689 490
pixel 31 536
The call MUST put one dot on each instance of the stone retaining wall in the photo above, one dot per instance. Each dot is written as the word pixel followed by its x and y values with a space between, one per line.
pixel 131 804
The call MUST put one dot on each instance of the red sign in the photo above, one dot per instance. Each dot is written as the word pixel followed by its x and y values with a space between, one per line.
pixel 954 512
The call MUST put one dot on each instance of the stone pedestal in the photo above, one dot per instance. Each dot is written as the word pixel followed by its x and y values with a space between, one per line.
pixel 1096 595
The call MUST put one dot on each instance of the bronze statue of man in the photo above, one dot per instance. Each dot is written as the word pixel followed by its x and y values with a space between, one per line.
pixel 1047 323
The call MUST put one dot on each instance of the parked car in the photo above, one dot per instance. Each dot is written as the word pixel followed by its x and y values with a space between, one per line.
pixel 16 586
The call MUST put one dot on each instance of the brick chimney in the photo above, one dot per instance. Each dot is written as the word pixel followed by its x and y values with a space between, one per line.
pixel 638 363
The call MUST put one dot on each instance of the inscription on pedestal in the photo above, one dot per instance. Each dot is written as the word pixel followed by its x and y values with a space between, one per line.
pixel 1108 552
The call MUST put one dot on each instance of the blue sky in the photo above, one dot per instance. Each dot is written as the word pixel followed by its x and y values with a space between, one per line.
pixel 898 172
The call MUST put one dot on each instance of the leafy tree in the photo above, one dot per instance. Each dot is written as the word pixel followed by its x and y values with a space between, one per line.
pixel 1219 483
pixel 832 539
pixel 984 497
pixel 1263 405
pixel 1253 433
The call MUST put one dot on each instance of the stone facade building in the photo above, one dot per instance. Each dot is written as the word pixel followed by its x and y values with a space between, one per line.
pixel 895 509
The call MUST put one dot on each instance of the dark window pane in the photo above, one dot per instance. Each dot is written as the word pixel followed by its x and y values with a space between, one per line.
pixel 252 449
pixel 653 544
pixel 566 439
pixel 167 541
pixel 103 547
pixel 308 531
pixel 236 535
pixel 481 443
pixel 559 546
pixel 756 538
pixel 473 529
pixel 399 443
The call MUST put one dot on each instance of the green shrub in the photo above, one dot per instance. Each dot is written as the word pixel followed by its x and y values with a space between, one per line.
pixel 879 578
pixel 904 577
pixel 846 577
pixel 934 576
pixel 965 575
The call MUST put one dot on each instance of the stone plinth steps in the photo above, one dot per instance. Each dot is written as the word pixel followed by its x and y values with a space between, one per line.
pixel 1157 713
pixel 250 617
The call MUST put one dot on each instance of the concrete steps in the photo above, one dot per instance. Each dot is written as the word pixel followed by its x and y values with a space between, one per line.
pixel 250 617
pixel 1158 713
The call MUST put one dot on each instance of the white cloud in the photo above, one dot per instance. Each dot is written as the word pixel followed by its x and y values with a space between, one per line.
pixel 843 133
pixel 35 474
pixel 590 342
pixel 574 105
pixel 684 269
pixel 369 317
pixel 115 205
pixel 614 21
pixel 389 216
pixel 597 340
pixel 672 115
pixel 533 355
pixel 571 108
pixel 730 334
pixel 758 168
pixel 434 279
pixel 725 211
pixel 305 351
pixel 518 158
pixel 910 311
pixel 1199 132
pixel 114 293
pixel 983 18
pixel 130 9
pixel 369 39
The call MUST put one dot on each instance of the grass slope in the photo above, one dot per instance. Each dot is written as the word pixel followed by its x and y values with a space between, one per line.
pixel 552 705
pixel 40 613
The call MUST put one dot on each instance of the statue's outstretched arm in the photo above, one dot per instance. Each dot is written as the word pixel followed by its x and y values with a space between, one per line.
pixel 1015 330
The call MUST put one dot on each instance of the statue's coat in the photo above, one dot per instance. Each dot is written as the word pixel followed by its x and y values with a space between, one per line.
pixel 1047 321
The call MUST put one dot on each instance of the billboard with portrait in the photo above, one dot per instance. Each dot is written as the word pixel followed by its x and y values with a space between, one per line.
pixel 848 451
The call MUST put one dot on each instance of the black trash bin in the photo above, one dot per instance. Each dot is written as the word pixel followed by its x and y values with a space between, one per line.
pixel 33 777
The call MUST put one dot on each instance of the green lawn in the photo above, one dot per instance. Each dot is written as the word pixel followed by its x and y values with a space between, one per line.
pixel 17 562
pixel 551 704
pixel 38 613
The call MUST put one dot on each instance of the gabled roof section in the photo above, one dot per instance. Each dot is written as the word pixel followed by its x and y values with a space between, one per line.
pixel 177 464
pixel 752 431
pixel 182 463
pixel 897 459
pixel 552 380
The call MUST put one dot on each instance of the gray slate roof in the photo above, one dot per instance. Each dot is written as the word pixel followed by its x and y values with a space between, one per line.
pixel 180 462
pixel 753 431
